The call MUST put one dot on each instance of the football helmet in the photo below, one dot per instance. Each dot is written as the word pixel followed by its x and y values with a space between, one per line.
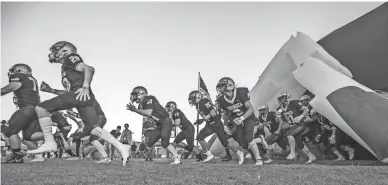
pixel 19 68
pixel 263 109
pixel 225 84
pixel 283 98
pixel 60 50
pixel 170 106
pixel 305 100
pixel 138 93
pixel 194 98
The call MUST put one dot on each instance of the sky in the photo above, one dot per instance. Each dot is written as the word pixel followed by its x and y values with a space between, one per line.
pixel 159 45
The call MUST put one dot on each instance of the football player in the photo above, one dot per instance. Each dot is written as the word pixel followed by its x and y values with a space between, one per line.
pixel 237 106
pixel 327 132
pixel 187 129
pixel 25 89
pixel 213 124
pixel 76 79
pixel 150 106
pixel 292 114
pixel 93 139
pixel 270 120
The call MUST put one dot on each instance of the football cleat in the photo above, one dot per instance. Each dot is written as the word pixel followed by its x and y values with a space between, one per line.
pixel 240 156
pixel 259 162
pixel 227 158
pixel 45 147
pixel 14 158
pixel 104 160
pixel 268 161
pixel 209 157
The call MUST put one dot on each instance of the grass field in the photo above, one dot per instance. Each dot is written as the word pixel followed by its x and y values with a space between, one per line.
pixel 58 171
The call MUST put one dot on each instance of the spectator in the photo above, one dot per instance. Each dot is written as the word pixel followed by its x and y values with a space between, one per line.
pixel 126 138
pixel 115 133
pixel 133 149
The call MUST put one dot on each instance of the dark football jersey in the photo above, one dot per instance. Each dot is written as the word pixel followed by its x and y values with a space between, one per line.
pixel 270 121
pixel 178 114
pixel 148 123
pixel 60 119
pixel 28 93
pixel 236 105
pixel 204 108
pixel 324 123
pixel 158 111
pixel 293 110
pixel 72 79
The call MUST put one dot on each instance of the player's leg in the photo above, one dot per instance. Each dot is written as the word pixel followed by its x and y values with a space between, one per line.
pixel 151 138
pixel 249 126
pixel 218 128
pixel 165 139
pixel 97 145
pixel 190 133
pixel 43 110
pixel 201 136
pixel 89 117
pixel 18 122
pixel 296 131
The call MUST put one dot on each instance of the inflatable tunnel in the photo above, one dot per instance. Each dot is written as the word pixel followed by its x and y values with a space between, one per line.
pixel 344 71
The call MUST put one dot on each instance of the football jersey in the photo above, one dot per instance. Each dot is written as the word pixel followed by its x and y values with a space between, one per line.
pixel 204 108
pixel 148 123
pixel 72 79
pixel 236 105
pixel 158 111
pixel 294 109
pixel 270 121
pixel 61 120
pixel 324 123
pixel 28 93
pixel 178 114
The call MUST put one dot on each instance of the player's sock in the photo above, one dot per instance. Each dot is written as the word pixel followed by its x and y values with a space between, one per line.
pixel 227 150
pixel 172 150
pixel 100 148
pixel 106 136
pixel 46 126
pixel 291 141
pixel 255 150
pixel 70 152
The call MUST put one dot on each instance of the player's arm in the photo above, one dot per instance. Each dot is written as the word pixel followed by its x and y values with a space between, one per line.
pixel 248 106
pixel 145 112
pixel 11 87
pixel 88 73
pixel 46 88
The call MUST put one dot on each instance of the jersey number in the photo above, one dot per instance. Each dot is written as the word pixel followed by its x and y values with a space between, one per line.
pixel 74 59
pixel 35 87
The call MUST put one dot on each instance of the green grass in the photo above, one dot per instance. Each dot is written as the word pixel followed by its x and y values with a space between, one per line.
pixel 64 172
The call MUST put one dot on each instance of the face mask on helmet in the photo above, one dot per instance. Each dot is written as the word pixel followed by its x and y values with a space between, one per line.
pixel 138 94
pixel 170 106
pixel 193 98
pixel 305 100
pixel 283 99
pixel 19 68
pixel 60 50
pixel 263 109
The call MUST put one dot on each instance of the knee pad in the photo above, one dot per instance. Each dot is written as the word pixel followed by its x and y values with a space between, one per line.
pixel 93 138
pixel 97 131
pixel 41 112
pixel 101 121
pixel 8 132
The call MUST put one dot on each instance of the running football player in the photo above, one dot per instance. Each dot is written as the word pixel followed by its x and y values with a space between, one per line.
pixel 26 96
pixel 292 114
pixel 76 79
pixel 213 124
pixel 150 106
pixel 93 139
pixel 187 129
pixel 237 106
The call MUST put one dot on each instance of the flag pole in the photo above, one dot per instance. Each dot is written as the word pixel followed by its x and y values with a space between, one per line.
pixel 199 79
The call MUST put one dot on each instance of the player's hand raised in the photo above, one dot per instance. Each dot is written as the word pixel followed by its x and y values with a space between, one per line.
pixel 83 94
pixel 45 87
pixel 131 107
